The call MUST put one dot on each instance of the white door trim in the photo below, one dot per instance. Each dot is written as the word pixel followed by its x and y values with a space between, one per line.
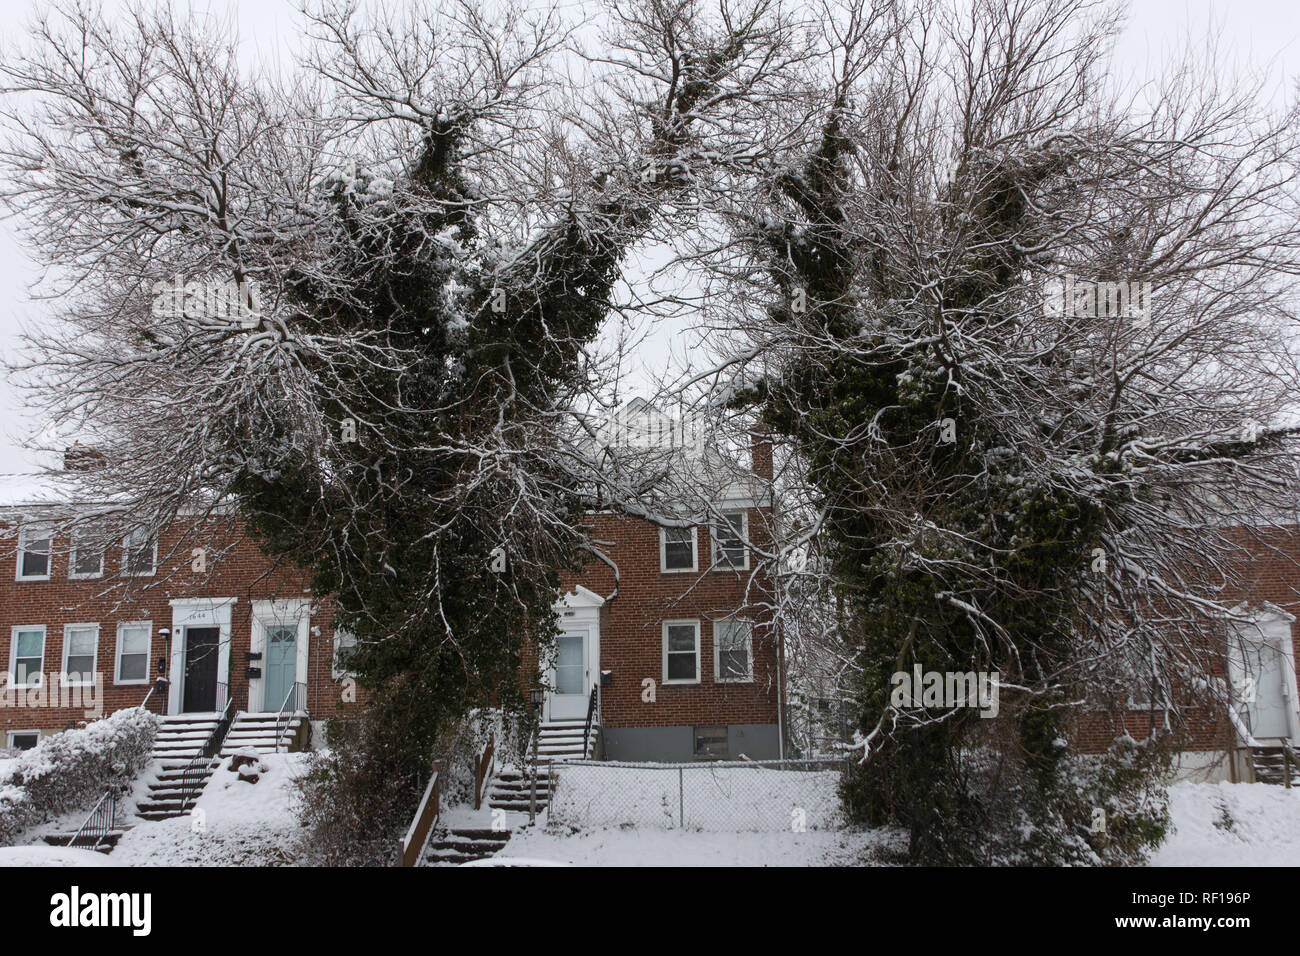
pixel 579 610
pixel 1273 624
pixel 198 612
pixel 277 612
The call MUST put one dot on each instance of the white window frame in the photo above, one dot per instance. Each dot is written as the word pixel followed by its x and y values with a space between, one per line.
pixel 67 646
pixel 695 552
pixel 117 653
pixel 336 672
pixel 692 622
pixel 126 557
pixel 749 650
pixel 23 535
pixel 9 738
pixel 72 562
pixel 720 561
pixel 13 654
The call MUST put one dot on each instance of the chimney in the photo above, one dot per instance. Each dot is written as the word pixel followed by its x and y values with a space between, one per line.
pixel 80 458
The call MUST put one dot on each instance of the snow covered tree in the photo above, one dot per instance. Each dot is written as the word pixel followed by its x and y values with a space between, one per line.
pixel 1034 346
pixel 424 230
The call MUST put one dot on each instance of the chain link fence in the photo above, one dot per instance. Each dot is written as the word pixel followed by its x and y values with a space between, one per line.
pixel 724 796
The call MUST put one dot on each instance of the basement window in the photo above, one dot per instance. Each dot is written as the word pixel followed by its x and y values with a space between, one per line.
pixel 23 739
pixel 711 742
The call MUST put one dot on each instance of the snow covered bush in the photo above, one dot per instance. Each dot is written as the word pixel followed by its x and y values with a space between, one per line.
pixel 71 769
pixel 1108 809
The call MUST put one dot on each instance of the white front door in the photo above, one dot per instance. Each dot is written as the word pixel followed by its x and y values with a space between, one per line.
pixel 1266 665
pixel 570 677
pixel 1266 686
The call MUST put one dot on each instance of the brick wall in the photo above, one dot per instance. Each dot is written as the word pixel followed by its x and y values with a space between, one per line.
pixel 235 567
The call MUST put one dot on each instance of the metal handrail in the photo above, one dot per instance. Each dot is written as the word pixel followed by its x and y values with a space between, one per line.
pixel 591 712
pixel 159 683
pixel 211 747
pixel 95 822
pixel 287 714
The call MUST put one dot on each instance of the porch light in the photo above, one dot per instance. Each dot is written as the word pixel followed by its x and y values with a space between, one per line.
pixel 537 697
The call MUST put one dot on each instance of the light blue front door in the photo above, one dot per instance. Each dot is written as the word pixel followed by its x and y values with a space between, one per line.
pixel 281 666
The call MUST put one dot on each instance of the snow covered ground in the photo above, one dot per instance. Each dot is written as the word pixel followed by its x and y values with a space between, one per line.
pixel 1226 824
pixel 719 797
pixel 255 824
pixel 652 847
pixel 43 855
pixel 233 823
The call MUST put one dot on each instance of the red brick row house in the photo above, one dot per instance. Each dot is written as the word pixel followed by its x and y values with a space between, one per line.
pixel 666 632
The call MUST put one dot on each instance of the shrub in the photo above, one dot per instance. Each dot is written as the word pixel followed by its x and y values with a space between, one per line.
pixel 72 769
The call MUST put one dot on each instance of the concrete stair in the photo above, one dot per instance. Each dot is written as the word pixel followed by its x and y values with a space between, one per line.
pixel 106 846
pixel 259 731
pixel 464 845
pixel 512 789
pixel 180 741
pixel 558 741
pixel 562 740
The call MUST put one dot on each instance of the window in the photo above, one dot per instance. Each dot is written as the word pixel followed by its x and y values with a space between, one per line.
pixel 345 643
pixel 23 739
pixel 729 534
pixel 681 652
pixel 134 643
pixel 87 557
pixel 711 741
pixel 34 552
pixel 677 549
pixel 80 652
pixel 27 662
pixel 139 554
pixel 733 658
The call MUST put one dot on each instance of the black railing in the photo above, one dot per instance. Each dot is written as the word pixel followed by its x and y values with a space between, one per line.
pixel 100 824
pixel 196 771
pixel 591 712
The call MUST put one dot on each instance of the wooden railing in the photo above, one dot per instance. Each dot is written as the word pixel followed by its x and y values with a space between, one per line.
pixel 483 766
pixel 426 815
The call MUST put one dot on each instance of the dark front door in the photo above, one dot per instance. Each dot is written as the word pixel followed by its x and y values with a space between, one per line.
pixel 201 645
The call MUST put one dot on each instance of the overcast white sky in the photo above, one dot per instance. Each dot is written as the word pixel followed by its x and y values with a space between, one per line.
pixel 1261 35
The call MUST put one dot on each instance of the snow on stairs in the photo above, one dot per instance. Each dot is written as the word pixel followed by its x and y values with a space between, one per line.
pixel 463 845
pixel 258 732
pixel 1270 764
pixel 562 740
pixel 512 790
pixel 558 741
pixel 180 739
pixel 106 845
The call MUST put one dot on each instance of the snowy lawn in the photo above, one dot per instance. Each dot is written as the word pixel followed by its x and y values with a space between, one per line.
pixel 651 847
pixel 233 823
pixel 51 856
pixel 719 797
pixel 1227 824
